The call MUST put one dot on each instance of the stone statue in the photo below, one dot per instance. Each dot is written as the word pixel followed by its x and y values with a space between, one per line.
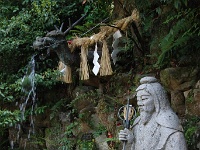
pixel 157 127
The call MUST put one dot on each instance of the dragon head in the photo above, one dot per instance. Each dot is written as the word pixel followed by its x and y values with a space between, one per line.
pixel 55 40
pixel 51 40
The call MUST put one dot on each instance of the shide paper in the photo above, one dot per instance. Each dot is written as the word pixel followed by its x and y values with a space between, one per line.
pixel 116 50
pixel 95 61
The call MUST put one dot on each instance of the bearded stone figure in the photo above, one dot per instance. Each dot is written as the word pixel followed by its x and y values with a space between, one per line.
pixel 157 127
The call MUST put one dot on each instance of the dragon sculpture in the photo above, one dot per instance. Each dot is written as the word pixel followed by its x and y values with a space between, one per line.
pixel 55 40
pixel 84 57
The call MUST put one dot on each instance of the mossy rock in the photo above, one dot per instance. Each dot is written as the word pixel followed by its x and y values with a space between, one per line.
pixel 27 84
pixel 179 78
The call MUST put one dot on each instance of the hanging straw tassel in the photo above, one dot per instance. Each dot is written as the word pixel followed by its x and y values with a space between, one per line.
pixel 105 61
pixel 84 73
pixel 61 68
pixel 66 73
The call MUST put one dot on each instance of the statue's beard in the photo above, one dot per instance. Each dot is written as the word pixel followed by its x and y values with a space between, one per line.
pixel 145 117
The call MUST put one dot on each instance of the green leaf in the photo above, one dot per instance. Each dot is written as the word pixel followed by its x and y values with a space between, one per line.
pixel 2 94
pixel 158 10
pixel 177 3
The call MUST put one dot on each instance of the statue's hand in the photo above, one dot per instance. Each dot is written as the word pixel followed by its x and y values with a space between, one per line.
pixel 126 135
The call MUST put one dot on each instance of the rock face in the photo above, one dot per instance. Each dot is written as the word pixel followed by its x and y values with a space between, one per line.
pixel 193 100
pixel 177 81
pixel 101 143
pixel 92 109
pixel 178 102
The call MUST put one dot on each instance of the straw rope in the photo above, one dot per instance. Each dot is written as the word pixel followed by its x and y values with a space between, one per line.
pixel 105 31
pixel 84 73
pixel 85 42
pixel 105 66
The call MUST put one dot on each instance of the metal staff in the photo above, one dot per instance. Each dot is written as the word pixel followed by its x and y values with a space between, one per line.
pixel 129 112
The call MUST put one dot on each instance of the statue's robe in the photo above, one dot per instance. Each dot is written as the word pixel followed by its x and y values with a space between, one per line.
pixel 162 132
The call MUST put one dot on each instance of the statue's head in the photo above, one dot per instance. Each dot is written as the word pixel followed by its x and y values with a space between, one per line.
pixel 151 96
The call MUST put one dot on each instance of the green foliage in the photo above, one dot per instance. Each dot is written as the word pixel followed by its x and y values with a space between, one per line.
pixel 91 96
pixel 8 90
pixel 87 145
pixel 47 78
pixel 171 28
pixel 176 3
pixel 99 130
pixel 56 107
pixel 68 141
pixel 4 93
pixel 61 139
pixel 18 31
pixel 190 97
pixel 69 9
pixel 181 37
pixel 21 22
pixel 82 29
pixel 8 118
pixel 190 127
pixel 45 10
pixel 40 110
pixel 98 10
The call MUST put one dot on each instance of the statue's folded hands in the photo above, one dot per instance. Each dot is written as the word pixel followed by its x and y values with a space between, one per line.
pixel 126 135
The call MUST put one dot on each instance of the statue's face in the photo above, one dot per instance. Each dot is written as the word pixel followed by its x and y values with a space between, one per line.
pixel 145 102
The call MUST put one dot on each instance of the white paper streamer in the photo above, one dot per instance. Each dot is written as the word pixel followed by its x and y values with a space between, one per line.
pixel 95 61
pixel 63 70
pixel 116 50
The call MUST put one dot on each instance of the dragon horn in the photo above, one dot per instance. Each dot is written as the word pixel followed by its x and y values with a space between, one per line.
pixel 70 24
pixel 61 27
pixel 56 27
pixel 74 24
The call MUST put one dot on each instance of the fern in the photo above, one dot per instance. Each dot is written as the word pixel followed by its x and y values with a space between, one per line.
pixel 181 33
